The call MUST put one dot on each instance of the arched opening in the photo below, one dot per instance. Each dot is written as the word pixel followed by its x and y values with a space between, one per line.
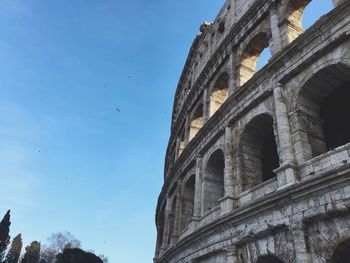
pixel 187 205
pixel 269 259
pixel 250 56
pixel 301 14
pixel 342 253
pixel 196 121
pixel 324 110
pixel 263 59
pixel 335 112
pixel 214 180
pixel 314 11
pixel 218 94
pixel 258 151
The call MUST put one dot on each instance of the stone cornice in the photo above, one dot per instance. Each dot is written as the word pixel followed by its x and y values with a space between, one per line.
pixel 271 202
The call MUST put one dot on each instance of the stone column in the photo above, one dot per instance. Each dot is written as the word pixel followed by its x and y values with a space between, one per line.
pixel 232 80
pixel 206 106
pixel 301 253
pixel 228 199
pixel 197 209
pixel 276 41
pixel 177 148
pixel 235 71
pixel 175 234
pixel 232 255
pixel 202 189
pixel 286 173
pixel 187 129
pixel 237 169
pixel 166 226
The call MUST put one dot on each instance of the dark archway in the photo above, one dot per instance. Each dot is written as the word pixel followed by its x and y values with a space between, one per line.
pixel 258 151
pixel 342 253
pixel 187 204
pixel 335 112
pixel 214 180
pixel 269 259
pixel 324 110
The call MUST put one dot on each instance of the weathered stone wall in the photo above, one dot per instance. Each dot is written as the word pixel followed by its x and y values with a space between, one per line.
pixel 267 181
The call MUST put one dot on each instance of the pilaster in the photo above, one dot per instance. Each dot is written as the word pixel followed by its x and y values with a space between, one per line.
pixel 301 253
pixel 164 245
pixel 276 41
pixel 187 129
pixel 286 173
pixel 198 192
pixel 175 234
pixel 232 255
pixel 206 106
pixel 228 201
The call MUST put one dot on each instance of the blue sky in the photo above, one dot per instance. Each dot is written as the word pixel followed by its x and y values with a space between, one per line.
pixel 86 93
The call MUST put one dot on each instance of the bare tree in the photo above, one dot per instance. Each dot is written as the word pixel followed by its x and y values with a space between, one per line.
pixel 56 243
pixel 61 240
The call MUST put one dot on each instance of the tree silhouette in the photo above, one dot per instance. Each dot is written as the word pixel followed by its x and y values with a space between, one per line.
pixel 15 250
pixel 77 255
pixel 32 254
pixel 4 234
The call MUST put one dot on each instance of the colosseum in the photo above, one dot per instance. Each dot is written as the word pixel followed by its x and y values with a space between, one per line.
pixel 257 167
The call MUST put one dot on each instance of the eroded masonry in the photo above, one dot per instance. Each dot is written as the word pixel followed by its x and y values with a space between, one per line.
pixel 258 162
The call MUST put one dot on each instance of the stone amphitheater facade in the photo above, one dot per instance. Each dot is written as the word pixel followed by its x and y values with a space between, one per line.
pixel 258 162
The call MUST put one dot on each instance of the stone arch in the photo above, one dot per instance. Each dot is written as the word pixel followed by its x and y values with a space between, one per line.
pixel 323 106
pixel 250 55
pixel 341 253
pixel 187 201
pixel 292 14
pixel 315 69
pixel 257 151
pixel 218 93
pixel 197 120
pixel 213 180
pixel 269 259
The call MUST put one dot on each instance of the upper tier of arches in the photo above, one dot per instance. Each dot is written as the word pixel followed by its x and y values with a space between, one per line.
pixel 198 104
pixel 282 25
